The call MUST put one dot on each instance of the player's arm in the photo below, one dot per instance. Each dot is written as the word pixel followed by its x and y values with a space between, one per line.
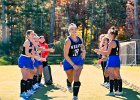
pixel 39 48
pixel 108 51
pixel 104 57
pixel 50 49
pixel 36 55
pixel 66 51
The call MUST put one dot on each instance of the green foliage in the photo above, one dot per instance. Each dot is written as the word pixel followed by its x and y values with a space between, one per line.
pixel 16 42
pixel 28 14
pixel 4 60
pixel 59 46
pixel 21 16
pixel 106 13
pixel 12 49
pixel 122 37
pixel 36 15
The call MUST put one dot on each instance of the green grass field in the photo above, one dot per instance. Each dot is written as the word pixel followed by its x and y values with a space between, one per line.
pixel 91 78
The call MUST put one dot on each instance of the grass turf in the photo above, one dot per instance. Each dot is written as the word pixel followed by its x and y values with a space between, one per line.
pixel 91 78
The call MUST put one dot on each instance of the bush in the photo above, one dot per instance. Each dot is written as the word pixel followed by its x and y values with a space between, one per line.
pixel 12 48
pixel 123 36
pixel 4 60
pixel 59 46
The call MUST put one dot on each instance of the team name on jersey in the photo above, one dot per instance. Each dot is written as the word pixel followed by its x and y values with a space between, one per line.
pixel 75 46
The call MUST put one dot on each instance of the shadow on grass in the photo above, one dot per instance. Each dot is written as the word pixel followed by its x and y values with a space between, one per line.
pixel 41 94
pixel 129 94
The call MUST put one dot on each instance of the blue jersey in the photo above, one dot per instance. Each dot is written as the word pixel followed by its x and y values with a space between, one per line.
pixel 75 48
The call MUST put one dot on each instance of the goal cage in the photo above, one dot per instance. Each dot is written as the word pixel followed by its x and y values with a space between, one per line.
pixel 128 53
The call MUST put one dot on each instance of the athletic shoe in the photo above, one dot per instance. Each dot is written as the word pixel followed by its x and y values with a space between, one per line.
pixel 107 85
pixel 103 84
pixel 75 98
pixel 70 89
pixel 110 94
pixel 30 92
pixel 40 84
pixel 36 86
pixel 25 95
pixel 33 91
pixel 119 93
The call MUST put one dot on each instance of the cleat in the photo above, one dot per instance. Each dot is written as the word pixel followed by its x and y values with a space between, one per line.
pixel 30 92
pixel 103 84
pixel 110 94
pixel 70 89
pixel 25 95
pixel 107 85
pixel 35 87
pixel 119 93
pixel 75 98
pixel 40 84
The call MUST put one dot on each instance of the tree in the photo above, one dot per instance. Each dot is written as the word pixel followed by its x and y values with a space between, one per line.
pixel 52 22
pixel 136 29
pixel 4 35
pixel 21 16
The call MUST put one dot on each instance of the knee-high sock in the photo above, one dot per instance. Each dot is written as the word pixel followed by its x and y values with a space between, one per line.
pixel 111 85
pixel 116 85
pixel 107 79
pixel 23 86
pixel 29 84
pixel 76 87
pixel 120 85
pixel 68 83
pixel 34 79
pixel 39 78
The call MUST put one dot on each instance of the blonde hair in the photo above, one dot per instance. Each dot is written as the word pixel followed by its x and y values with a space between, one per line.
pixel 71 25
pixel 28 33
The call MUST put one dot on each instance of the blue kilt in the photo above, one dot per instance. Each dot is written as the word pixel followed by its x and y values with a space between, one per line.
pixel 25 62
pixel 37 63
pixel 76 60
pixel 113 62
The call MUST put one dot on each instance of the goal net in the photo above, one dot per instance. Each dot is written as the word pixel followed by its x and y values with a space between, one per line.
pixel 128 53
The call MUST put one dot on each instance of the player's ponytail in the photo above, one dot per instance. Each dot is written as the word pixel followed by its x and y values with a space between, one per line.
pixel 28 33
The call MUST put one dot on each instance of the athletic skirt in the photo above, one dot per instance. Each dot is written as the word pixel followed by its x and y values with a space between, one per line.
pixel 76 60
pixel 37 63
pixel 113 62
pixel 25 62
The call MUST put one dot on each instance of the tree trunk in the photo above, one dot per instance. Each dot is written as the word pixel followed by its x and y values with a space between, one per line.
pixel 137 34
pixel 52 22
pixel 83 31
pixel 4 33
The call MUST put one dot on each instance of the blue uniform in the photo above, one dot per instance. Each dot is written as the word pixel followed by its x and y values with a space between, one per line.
pixel 113 60
pixel 74 54
pixel 37 62
pixel 25 61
